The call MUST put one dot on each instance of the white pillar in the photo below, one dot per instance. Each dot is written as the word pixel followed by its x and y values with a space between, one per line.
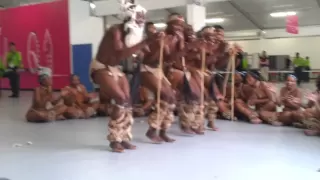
pixel 196 15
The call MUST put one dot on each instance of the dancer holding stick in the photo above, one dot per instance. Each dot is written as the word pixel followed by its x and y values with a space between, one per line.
pixel 120 42
pixel 188 77
pixel 152 77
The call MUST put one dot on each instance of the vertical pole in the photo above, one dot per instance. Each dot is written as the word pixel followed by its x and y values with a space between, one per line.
pixel 232 86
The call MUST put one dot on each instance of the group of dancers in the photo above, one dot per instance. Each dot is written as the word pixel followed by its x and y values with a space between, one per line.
pixel 178 66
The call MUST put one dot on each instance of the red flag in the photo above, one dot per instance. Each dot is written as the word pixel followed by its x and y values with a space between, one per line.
pixel 292 24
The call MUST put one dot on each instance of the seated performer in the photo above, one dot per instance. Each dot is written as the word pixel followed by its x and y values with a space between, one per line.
pixel 241 95
pixel 290 98
pixel 45 107
pixel 262 99
pixel 120 42
pixel 79 99
pixel 147 99
pixel 310 118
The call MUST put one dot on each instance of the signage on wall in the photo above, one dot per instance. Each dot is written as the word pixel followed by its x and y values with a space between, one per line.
pixel 34 49
pixel 292 24
pixel 42 42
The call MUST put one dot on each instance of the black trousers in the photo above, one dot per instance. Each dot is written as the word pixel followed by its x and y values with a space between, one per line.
pixel 14 79
pixel 298 73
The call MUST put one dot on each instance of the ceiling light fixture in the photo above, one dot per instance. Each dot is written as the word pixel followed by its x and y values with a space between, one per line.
pixel 160 25
pixel 214 20
pixel 283 14
pixel 92 5
pixel 207 21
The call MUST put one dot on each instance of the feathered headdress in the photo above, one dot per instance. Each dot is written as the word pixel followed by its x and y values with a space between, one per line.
pixel 129 9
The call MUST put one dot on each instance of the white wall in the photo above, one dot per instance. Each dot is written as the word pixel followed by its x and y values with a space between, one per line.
pixel 84 29
pixel 307 46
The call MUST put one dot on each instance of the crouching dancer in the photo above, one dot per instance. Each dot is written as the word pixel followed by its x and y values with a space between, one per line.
pixel 162 118
pixel 119 42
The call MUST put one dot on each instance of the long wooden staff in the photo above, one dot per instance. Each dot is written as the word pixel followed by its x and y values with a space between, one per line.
pixel 226 78
pixel 203 64
pixel 233 66
pixel 160 77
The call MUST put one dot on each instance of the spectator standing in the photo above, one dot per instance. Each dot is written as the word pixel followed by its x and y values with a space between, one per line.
pixel 299 64
pixel 264 66
pixel 306 75
pixel 307 62
pixel 13 63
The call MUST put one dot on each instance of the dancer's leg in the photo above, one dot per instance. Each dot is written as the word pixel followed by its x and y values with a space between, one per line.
pixel 119 124
pixel 167 96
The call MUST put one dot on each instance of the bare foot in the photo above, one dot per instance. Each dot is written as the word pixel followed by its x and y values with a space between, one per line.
pixel 214 129
pixel 186 130
pixel 61 117
pixel 256 121
pixel 165 137
pixel 127 145
pixel 116 147
pixel 298 125
pixel 211 126
pixel 198 131
pixel 311 132
pixel 151 134
pixel 276 123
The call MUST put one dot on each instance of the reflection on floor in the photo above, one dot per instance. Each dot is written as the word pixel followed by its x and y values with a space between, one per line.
pixel 77 150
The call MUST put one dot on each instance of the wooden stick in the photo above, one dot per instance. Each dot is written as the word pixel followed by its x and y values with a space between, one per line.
pixel 227 77
pixel 160 78
pixel 232 86
pixel 203 65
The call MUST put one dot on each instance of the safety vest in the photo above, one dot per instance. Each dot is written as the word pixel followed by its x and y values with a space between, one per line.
pixel 299 62
pixel 245 63
pixel 14 59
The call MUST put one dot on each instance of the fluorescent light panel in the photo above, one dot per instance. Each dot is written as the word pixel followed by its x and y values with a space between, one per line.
pixel 160 25
pixel 92 5
pixel 283 14
pixel 208 21
pixel 214 20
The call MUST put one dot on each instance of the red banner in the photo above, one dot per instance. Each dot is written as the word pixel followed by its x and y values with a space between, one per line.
pixel 41 34
pixel 292 24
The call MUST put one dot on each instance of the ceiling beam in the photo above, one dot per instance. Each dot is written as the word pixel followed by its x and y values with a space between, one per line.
pixel 245 14
pixel 318 2
pixel 169 11
pixel 117 17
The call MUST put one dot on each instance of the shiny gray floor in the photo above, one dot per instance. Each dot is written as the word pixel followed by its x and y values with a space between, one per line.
pixel 77 150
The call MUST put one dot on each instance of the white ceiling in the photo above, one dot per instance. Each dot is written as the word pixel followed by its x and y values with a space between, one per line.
pixel 249 14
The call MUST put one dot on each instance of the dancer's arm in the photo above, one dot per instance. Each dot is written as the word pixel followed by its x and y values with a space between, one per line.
pixel 253 100
pixel 37 97
pixel 85 94
pixel 268 92
pixel 295 102
pixel 123 52
pixel 63 93
pixel 282 98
